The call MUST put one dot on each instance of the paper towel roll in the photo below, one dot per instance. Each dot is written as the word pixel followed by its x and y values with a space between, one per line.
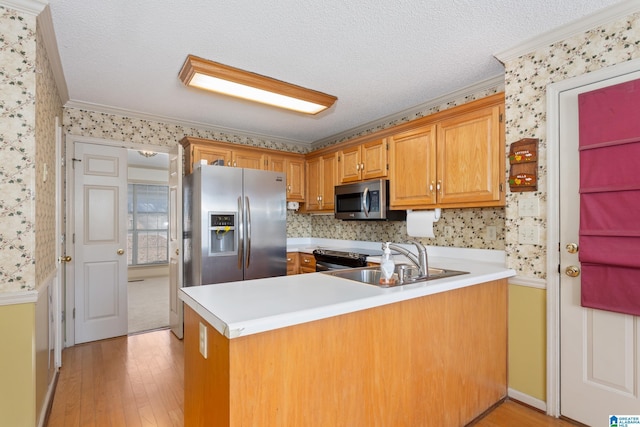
pixel 420 223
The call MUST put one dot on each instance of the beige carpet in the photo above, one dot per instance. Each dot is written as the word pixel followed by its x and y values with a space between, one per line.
pixel 148 304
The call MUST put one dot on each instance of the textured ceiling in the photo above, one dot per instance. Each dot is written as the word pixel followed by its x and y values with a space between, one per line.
pixel 379 57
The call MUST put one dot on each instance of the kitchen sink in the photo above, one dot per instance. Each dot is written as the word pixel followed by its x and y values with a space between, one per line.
pixel 404 274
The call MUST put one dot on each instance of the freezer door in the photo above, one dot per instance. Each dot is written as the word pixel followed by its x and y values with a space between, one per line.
pixel 265 244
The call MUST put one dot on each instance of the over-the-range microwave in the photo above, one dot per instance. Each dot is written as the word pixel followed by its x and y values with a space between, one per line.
pixel 365 200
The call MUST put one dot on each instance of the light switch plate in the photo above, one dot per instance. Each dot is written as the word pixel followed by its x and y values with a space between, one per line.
pixel 203 340
pixel 529 234
pixel 491 233
pixel 529 206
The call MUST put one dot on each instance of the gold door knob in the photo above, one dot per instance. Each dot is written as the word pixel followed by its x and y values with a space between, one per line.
pixel 65 259
pixel 572 248
pixel 120 251
pixel 572 271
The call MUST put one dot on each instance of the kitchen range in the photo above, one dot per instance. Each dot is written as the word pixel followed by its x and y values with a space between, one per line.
pixel 337 259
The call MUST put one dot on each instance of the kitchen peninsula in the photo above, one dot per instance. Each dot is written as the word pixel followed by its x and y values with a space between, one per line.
pixel 318 350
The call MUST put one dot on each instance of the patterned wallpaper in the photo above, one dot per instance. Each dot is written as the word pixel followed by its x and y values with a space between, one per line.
pixel 48 107
pixel 526 82
pixel 18 150
pixel 137 131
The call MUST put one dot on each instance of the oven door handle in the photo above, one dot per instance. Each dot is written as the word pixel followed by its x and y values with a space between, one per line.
pixel 365 201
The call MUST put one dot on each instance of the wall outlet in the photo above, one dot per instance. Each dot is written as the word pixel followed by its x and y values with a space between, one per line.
pixel 448 231
pixel 491 233
pixel 203 340
pixel 529 206
pixel 529 234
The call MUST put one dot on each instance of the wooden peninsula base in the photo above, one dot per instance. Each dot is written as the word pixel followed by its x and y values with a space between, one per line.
pixel 437 360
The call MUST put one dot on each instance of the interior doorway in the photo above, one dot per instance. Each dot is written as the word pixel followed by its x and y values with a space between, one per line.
pixel 147 241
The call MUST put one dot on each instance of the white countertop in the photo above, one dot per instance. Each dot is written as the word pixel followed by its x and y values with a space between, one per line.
pixel 248 307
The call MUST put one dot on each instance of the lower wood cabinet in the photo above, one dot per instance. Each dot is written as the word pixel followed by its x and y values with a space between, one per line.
pixel 437 360
pixel 292 263
pixel 300 262
pixel 307 263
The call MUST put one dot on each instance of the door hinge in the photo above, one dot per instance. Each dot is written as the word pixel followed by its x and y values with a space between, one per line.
pixel 501 187
pixel 63 316
pixel 338 158
pixel 387 146
pixel 74 313
pixel 501 117
pixel 73 238
pixel 558 268
pixel 387 166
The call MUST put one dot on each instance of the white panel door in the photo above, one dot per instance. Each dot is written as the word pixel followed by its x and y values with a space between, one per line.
pixel 600 350
pixel 175 240
pixel 100 211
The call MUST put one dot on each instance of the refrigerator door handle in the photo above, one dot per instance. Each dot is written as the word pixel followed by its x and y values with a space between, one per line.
pixel 241 233
pixel 248 214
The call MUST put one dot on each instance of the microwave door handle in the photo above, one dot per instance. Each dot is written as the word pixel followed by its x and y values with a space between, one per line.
pixel 365 201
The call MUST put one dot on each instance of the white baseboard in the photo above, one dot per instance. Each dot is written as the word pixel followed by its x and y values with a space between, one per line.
pixel 48 401
pixel 525 398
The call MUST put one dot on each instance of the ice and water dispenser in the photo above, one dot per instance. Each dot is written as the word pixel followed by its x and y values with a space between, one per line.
pixel 222 233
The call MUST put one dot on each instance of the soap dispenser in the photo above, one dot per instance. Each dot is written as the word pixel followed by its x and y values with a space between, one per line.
pixel 387 267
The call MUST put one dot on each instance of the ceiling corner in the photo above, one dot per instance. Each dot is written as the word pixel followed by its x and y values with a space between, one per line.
pixel 33 7
pixel 593 20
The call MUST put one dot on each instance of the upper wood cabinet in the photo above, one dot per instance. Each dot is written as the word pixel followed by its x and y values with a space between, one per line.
pixel 365 161
pixel 458 161
pixel 293 167
pixel 471 159
pixel 321 173
pixel 292 164
pixel 412 156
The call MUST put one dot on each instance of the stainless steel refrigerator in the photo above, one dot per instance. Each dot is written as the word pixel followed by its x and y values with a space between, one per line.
pixel 234 225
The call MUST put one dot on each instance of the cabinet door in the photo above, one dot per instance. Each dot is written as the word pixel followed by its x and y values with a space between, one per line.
pixel 349 164
pixel 374 159
pixel 412 180
pixel 210 154
pixel 329 179
pixel 276 163
pixel 249 159
pixel 314 177
pixel 293 265
pixel 470 158
pixel 295 179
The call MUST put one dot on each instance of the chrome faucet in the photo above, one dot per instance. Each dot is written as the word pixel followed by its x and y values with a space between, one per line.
pixel 420 261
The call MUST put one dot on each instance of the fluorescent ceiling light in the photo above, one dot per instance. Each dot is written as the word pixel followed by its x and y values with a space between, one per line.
pixel 220 78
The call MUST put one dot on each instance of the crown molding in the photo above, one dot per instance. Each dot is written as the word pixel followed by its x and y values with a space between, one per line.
pixel 32 7
pixel 466 91
pixel 48 34
pixel 612 13
pixel 99 108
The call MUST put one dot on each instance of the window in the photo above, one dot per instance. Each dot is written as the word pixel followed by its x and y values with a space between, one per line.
pixel 148 229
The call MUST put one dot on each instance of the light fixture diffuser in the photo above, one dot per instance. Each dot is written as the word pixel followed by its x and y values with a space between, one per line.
pixel 220 78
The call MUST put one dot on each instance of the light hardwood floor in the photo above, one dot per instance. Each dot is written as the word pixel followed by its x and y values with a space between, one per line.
pixel 139 381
